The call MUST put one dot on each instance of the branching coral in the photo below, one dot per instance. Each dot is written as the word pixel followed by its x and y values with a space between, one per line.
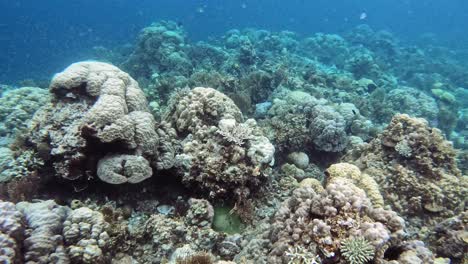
pixel 357 250
pixel 234 133
pixel 299 255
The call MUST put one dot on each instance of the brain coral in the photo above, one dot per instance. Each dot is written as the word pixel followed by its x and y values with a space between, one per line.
pixel 423 184
pixel 97 110
pixel 221 155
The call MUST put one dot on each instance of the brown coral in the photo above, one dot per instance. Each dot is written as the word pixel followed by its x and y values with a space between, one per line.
pixel 362 180
pixel 216 159
pixel 320 222
pixel 425 186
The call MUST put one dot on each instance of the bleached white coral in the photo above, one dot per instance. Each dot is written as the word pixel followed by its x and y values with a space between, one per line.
pixel 403 149
pixel 234 132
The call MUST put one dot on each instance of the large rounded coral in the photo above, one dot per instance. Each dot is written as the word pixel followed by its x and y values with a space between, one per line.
pixel 96 110
pixel 301 119
pixel 221 155
pixel 416 170
pixel 321 222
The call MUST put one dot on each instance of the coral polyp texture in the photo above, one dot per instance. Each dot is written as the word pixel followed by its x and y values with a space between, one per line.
pixel 302 119
pixel 221 154
pixel 421 180
pixel 322 222
pixel 45 232
pixel 97 121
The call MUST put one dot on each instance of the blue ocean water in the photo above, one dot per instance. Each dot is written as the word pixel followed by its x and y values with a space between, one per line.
pixel 38 38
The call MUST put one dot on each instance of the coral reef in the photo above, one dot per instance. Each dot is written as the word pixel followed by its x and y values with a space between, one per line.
pixel 182 173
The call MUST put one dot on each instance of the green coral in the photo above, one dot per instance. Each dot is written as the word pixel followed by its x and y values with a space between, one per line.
pixel 357 250
pixel 444 95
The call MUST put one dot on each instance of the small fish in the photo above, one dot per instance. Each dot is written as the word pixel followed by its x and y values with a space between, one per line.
pixel 244 5
pixel 363 16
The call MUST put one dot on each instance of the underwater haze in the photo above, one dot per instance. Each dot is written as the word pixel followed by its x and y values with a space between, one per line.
pixel 234 132
pixel 42 37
